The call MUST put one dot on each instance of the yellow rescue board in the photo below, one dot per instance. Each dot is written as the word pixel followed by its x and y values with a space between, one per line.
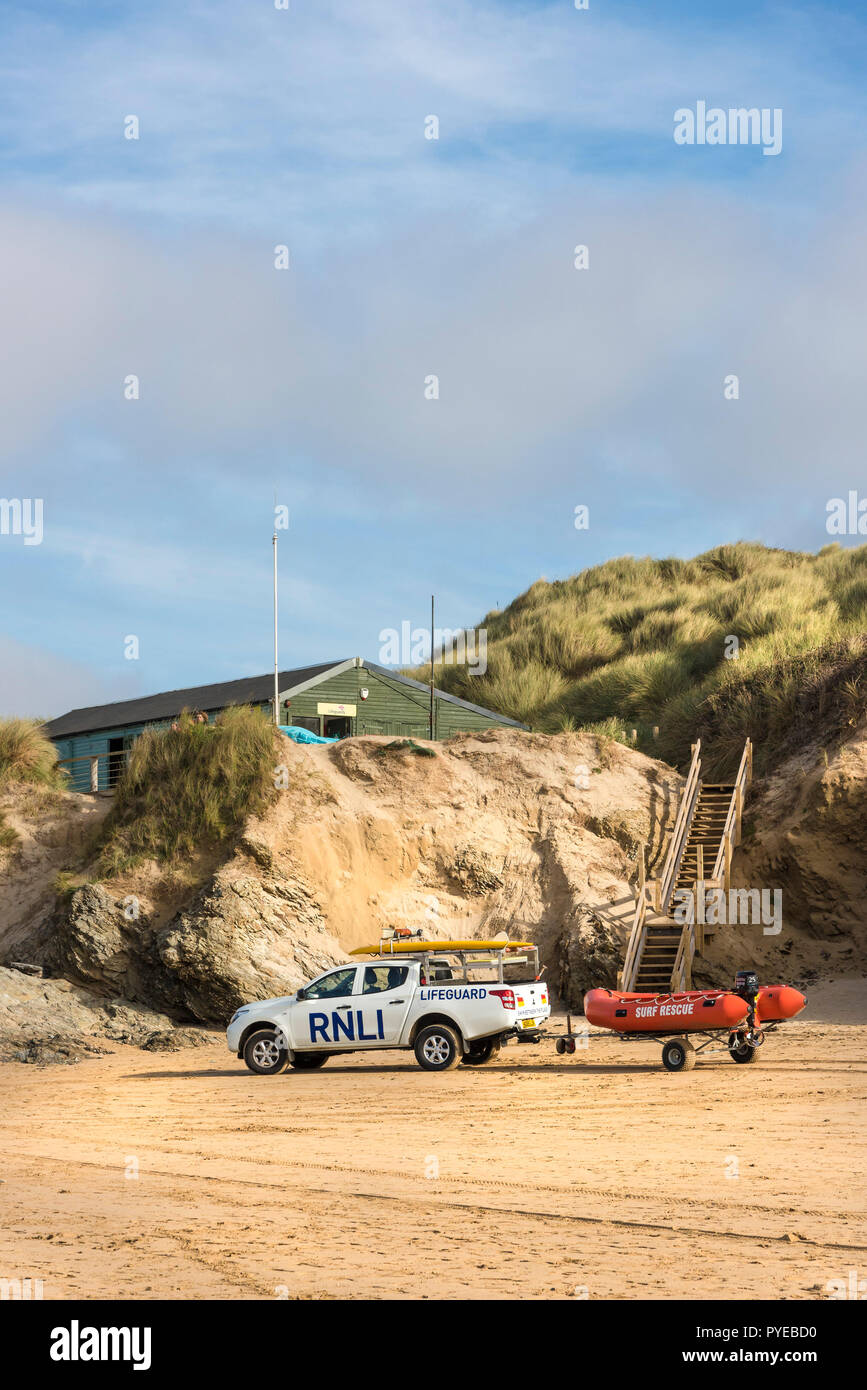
pixel 387 948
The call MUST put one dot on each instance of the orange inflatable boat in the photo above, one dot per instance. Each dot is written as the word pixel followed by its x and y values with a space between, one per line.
pixel 778 1002
pixel 691 1012
pixel 696 1011
pixel 736 1020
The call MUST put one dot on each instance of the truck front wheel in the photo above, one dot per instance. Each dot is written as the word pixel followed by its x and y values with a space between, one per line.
pixel 486 1050
pixel 437 1048
pixel 264 1053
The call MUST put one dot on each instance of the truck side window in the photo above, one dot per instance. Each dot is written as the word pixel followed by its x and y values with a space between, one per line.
pixel 380 977
pixel 334 986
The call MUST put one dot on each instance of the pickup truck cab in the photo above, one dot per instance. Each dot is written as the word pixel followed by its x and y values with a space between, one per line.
pixel 432 1000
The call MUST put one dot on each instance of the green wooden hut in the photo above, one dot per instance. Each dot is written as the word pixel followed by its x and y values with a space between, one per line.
pixel 337 699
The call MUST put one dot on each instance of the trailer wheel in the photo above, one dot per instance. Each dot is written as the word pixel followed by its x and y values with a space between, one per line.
pixel 309 1061
pixel 560 1045
pixel 570 1046
pixel 486 1050
pixel 437 1048
pixel 741 1050
pixel 264 1054
pixel 678 1056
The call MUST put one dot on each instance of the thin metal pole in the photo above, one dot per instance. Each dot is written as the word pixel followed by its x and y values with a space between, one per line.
pixel 276 677
pixel 431 666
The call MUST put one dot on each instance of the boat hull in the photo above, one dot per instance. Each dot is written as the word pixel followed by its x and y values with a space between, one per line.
pixel 778 1002
pixel 693 1011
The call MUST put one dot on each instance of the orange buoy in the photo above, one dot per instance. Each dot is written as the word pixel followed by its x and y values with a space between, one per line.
pixel 691 1012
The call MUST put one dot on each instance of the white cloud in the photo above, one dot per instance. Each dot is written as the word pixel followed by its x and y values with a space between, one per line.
pixel 545 372
pixel 257 118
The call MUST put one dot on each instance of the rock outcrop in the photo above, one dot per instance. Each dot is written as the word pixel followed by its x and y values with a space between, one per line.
pixel 241 938
pixel 589 955
pixel 244 938
pixel 51 1020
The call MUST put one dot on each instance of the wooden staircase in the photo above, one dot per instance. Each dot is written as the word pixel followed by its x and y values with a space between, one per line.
pixel 659 953
pixel 706 830
pixel 707 827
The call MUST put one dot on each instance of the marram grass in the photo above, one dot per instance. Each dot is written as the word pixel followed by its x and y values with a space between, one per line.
pixel 187 788
pixel 644 643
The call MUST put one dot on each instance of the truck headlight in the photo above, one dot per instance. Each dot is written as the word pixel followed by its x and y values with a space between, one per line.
pixel 238 1012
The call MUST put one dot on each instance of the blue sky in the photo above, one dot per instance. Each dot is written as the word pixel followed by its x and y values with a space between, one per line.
pixel 408 257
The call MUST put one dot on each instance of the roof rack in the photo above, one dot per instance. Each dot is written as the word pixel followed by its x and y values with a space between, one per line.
pixel 482 955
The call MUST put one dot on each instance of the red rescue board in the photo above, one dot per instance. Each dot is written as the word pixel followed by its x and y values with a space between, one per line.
pixel 691 1012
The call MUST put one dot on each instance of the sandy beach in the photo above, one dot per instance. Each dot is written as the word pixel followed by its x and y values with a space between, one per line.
pixel 596 1176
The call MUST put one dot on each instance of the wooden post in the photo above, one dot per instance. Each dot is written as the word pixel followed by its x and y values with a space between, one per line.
pixel 728 865
pixel 94 774
pixel 739 810
pixel 641 871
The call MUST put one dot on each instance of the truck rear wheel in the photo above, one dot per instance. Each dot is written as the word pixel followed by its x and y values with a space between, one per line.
pixel 264 1054
pixel 437 1048
pixel 486 1050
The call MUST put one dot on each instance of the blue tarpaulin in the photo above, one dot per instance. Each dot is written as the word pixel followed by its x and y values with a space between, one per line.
pixel 303 735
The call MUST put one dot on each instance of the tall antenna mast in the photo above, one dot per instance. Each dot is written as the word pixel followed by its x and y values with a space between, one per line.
pixel 431 666
pixel 276 676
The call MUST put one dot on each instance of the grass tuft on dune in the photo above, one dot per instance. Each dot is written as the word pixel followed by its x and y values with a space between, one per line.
pixel 636 643
pixel 189 787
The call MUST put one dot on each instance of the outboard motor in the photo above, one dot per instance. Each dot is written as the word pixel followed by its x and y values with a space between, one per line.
pixel 747 988
pixel 746 985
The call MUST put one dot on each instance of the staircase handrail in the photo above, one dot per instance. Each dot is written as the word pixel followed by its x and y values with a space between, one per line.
pixel 636 941
pixel 681 975
pixel 680 833
pixel 686 806
pixel 732 830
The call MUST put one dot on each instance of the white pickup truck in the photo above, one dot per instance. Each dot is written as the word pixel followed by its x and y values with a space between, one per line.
pixel 432 1001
